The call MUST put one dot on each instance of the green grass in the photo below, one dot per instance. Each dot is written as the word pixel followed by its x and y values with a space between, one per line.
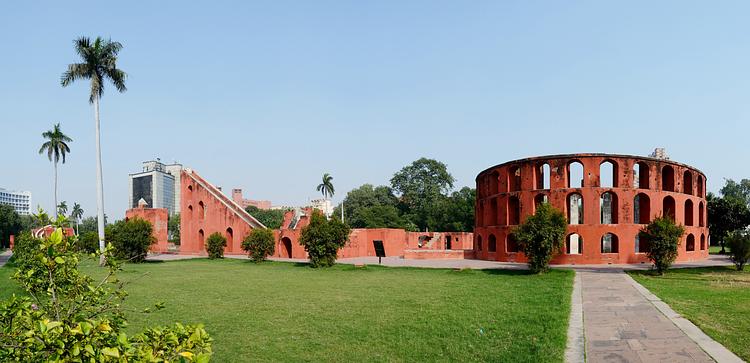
pixel 715 250
pixel 716 299
pixel 290 312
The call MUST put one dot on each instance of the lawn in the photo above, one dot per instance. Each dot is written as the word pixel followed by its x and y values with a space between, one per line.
pixel 290 312
pixel 716 299
pixel 715 250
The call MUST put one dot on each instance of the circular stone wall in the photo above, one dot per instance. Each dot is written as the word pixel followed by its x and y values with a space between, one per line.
pixel 606 199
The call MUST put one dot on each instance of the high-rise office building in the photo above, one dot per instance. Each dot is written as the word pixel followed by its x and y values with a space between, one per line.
pixel 158 184
pixel 20 201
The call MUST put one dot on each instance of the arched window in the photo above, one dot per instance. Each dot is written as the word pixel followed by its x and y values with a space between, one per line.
pixel 690 243
pixel 609 243
pixel 574 244
pixel 190 211
pixel 540 198
pixel 667 178
pixel 703 242
pixel 190 191
pixel 575 174
pixel 701 214
pixel 608 174
pixel 493 212
pixel 201 210
pixel 641 175
pixel 480 214
pixel 514 210
pixel 494 187
pixel 542 176
pixel 688 212
pixel 230 238
pixel 511 245
pixel 699 183
pixel 492 243
pixel 668 208
pixel 479 242
pixel 687 182
pixel 642 209
pixel 608 208
pixel 575 209
pixel 514 179
pixel 642 244
pixel 201 239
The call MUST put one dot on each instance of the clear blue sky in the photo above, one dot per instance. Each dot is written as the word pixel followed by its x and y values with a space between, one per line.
pixel 268 96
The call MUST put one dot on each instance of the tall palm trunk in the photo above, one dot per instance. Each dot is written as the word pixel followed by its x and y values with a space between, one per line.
pixel 55 208
pixel 99 185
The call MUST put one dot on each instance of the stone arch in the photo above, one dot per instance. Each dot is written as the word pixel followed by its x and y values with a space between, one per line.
pixel 701 215
pixel 641 209
pixel 668 208
pixel 667 178
pixel 285 247
pixel 230 238
pixel 511 245
pixel 608 174
pixel 575 208
pixel 493 212
pixel 608 208
pixel 540 199
pixel 642 244
pixel 190 211
pixel 641 175
pixel 201 240
pixel 480 214
pixel 574 244
pixel 690 243
pixel 699 186
pixel 514 178
pixel 687 182
pixel 542 176
pixel 609 243
pixel 201 210
pixel 494 183
pixel 688 212
pixel 479 242
pixel 491 243
pixel 703 242
pixel 514 210
pixel 575 174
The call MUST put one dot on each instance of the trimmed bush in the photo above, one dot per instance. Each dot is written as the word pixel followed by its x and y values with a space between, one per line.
pixel 88 242
pixel 25 247
pixel 131 239
pixel 215 245
pixel 541 236
pixel 739 248
pixel 663 235
pixel 323 239
pixel 259 244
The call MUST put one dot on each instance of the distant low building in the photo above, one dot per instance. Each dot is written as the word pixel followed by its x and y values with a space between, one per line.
pixel 158 185
pixel 323 205
pixel 244 203
pixel 19 200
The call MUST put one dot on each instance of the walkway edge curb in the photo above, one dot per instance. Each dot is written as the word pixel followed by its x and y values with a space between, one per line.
pixel 717 351
pixel 575 351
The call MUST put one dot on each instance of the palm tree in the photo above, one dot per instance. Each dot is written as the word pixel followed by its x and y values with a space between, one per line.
pixel 326 187
pixel 99 64
pixel 62 208
pixel 56 147
pixel 77 214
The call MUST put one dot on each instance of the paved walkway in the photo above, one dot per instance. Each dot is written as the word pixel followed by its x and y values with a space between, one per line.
pixel 621 325
pixel 4 256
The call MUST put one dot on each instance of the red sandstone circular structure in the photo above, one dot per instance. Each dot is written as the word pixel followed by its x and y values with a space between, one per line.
pixel 606 198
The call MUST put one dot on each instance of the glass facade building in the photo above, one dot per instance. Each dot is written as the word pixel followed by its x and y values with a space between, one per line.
pixel 158 185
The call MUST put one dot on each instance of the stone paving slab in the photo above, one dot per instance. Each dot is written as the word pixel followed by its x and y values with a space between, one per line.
pixel 4 257
pixel 621 325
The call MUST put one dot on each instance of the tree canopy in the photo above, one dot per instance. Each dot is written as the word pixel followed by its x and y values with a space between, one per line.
pixel 10 224
pixel 541 236
pixel 726 214
pixel 271 218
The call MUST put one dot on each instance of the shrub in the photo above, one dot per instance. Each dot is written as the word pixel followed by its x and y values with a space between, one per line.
pixel 259 244
pixel 541 236
pixel 73 318
pixel 215 245
pixel 663 235
pixel 739 248
pixel 323 239
pixel 88 242
pixel 131 238
pixel 271 218
pixel 25 247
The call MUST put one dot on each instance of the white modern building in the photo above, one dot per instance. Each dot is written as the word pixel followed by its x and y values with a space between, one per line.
pixel 19 200
pixel 323 205
pixel 158 184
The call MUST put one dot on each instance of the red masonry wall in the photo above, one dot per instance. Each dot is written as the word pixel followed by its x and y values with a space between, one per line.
pixel 159 218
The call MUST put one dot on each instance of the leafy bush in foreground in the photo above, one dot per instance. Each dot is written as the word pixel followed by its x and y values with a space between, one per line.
pixel 215 245
pixel 259 244
pixel 69 317
pixel 131 238
pixel 88 242
pixel 541 236
pixel 323 238
pixel 739 248
pixel 663 235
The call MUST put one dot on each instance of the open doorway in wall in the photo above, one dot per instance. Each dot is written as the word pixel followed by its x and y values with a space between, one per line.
pixel 285 249
pixel 448 243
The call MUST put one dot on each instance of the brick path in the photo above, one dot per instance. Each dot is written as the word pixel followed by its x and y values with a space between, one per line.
pixel 621 325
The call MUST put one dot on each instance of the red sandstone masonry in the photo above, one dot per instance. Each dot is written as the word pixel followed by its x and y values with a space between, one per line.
pixel 159 218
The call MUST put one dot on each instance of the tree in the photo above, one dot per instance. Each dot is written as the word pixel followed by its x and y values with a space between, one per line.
pixel 541 236
pixel 76 214
pixel 10 224
pixel 99 64
pixel 56 148
pixel 739 248
pixel 739 191
pixel 271 218
pixel 323 238
pixel 663 235
pixel 131 239
pixel 62 208
pixel 215 245
pixel 454 213
pixel 420 185
pixel 366 196
pixel 378 216
pixel 89 224
pixel 326 187
pixel 259 244
pixel 66 316
pixel 725 215
pixel 173 227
